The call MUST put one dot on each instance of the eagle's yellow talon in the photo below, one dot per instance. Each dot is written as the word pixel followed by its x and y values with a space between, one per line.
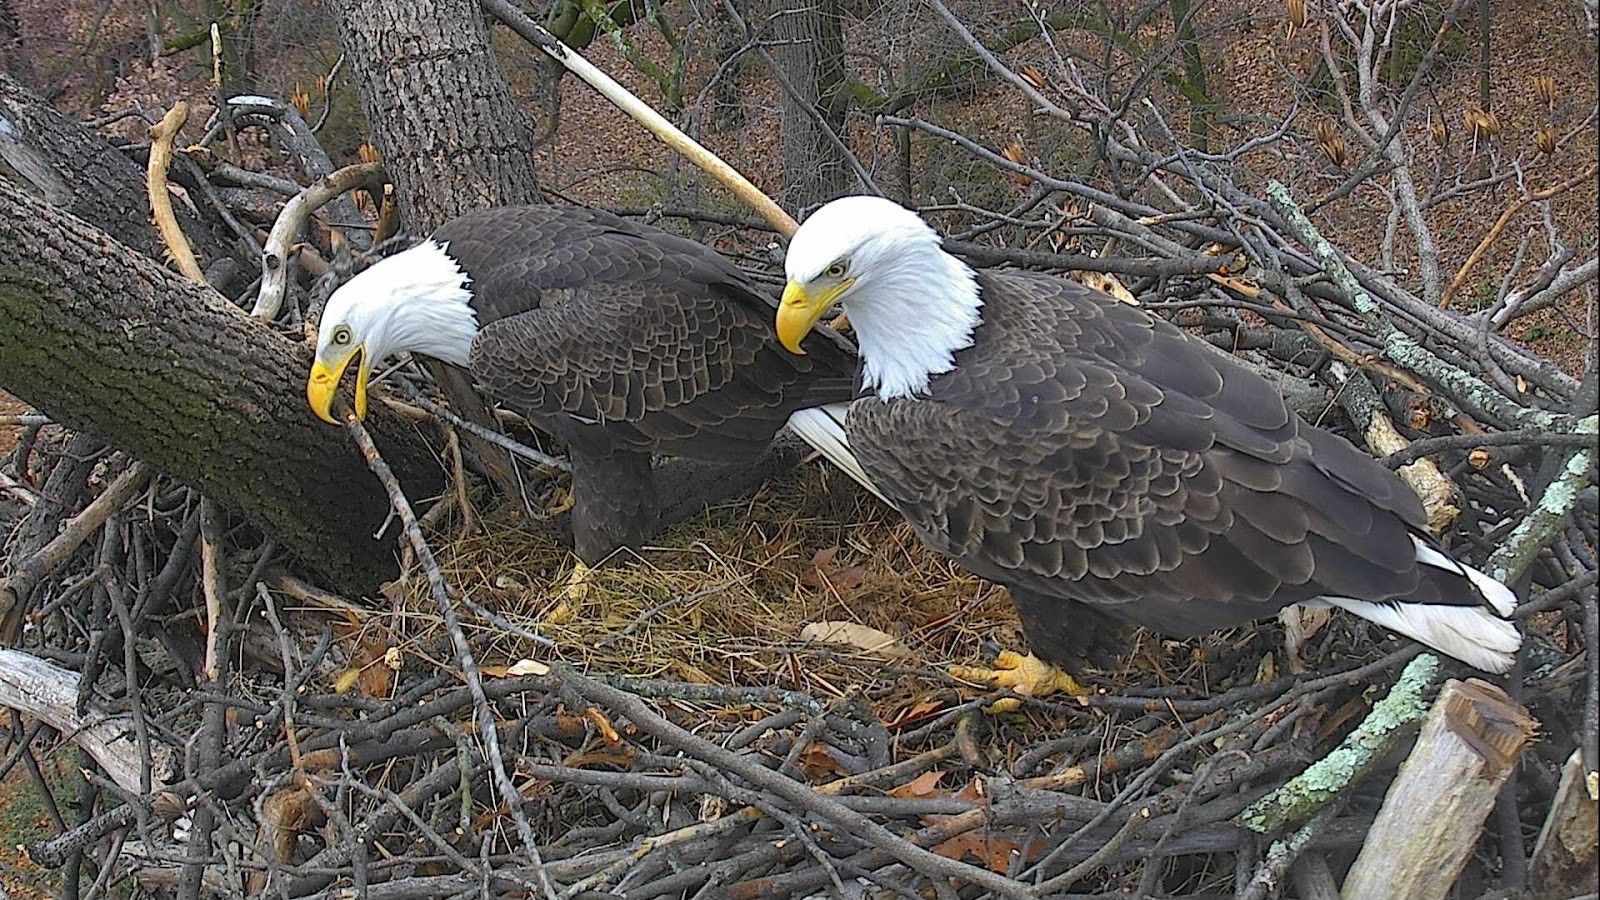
pixel 563 502
pixel 578 582
pixel 573 593
pixel 1027 675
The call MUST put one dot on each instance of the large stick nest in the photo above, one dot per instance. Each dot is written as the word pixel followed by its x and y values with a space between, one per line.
pixel 674 731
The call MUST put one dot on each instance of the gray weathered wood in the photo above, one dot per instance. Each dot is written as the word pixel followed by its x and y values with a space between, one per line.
pixel 1565 857
pixel 1434 811
pixel 45 691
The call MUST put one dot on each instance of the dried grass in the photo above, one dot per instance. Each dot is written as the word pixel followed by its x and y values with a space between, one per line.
pixel 721 600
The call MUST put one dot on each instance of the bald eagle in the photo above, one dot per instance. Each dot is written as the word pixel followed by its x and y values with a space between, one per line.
pixel 619 338
pixel 1103 465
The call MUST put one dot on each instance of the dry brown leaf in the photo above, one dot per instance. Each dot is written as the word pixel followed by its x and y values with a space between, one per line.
pixel 994 853
pixel 818 762
pixel 861 637
pixel 922 786
pixel 370 670
pixel 602 725
pixel 823 574
pixel 973 792
pixel 922 709
pixel 376 681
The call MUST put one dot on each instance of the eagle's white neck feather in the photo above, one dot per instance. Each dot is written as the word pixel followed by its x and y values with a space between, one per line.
pixel 416 301
pixel 916 311
pixel 912 305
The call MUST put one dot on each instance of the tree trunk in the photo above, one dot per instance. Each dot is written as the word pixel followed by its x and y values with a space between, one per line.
pixel 106 341
pixel 810 50
pixel 451 135
pixel 79 171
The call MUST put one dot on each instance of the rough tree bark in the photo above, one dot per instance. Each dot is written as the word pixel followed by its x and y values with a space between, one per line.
pixel 80 171
pixel 810 49
pixel 106 341
pixel 451 135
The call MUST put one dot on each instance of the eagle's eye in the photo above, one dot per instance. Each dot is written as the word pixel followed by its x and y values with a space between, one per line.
pixel 341 336
pixel 836 270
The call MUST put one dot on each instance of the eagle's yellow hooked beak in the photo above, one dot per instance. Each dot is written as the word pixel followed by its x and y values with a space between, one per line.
pixel 800 309
pixel 324 381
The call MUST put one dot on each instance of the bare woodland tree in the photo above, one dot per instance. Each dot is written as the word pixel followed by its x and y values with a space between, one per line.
pixel 809 46
pixel 442 116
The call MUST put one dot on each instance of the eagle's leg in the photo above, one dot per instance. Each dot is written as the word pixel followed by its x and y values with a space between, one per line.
pixel 1062 633
pixel 613 503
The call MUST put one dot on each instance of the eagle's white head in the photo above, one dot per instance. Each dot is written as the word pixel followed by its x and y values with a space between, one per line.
pixel 911 304
pixel 416 301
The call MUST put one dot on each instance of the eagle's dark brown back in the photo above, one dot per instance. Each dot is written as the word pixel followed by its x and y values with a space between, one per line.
pixel 631 336
pixel 1084 450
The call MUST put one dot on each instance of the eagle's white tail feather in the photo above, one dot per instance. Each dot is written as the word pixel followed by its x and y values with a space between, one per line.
pixel 1473 634
pixel 823 428
pixel 1498 595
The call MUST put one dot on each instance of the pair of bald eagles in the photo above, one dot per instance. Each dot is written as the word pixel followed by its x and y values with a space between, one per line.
pixel 1097 461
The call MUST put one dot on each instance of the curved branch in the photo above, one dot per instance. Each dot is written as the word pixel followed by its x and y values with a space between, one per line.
pixel 275 255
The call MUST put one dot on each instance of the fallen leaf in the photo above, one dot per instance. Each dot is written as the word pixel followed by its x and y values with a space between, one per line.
pixel 922 709
pixel 528 667
pixel 516 669
pixel 376 681
pixel 924 785
pixel 974 792
pixel 861 637
pixel 824 574
pixel 818 762
pixel 993 852
pixel 602 725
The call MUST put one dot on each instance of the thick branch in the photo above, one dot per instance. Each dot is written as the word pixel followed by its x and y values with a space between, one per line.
pixel 107 341
pixel 1398 345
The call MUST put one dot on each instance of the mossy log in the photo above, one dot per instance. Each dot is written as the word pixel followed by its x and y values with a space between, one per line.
pixel 106 341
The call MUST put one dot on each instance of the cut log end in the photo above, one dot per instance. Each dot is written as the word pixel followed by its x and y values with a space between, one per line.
pixel 1435 809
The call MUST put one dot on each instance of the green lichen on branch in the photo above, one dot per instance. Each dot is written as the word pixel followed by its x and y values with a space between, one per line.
pixel 671 91
pixel 1542 523
pixel 1397 345
pixel 1391 720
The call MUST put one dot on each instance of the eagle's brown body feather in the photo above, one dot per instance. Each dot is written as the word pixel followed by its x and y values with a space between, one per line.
pixel 656 339
pixel 1095 459
pixel 626 340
